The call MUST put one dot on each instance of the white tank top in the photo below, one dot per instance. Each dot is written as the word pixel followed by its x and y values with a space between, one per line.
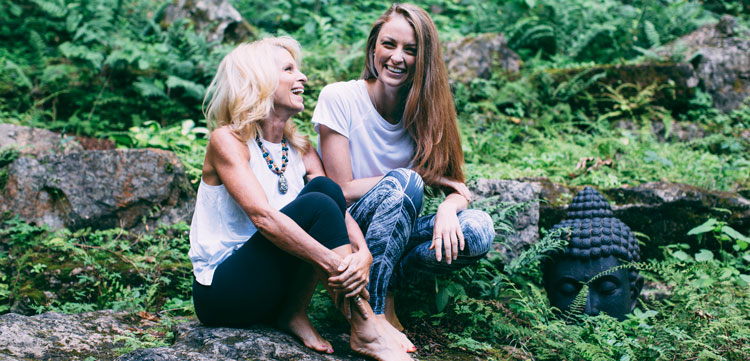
pixel 220 225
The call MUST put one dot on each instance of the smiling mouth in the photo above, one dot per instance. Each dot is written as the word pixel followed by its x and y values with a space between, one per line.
pixel 395 70
pixel 298 91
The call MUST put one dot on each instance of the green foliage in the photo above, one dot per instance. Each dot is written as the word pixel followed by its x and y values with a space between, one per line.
pixel 702 314
pixel 87 270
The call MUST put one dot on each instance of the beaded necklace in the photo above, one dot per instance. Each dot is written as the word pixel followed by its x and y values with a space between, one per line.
pixel 283 185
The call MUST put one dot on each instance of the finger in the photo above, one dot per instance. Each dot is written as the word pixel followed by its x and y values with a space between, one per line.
pixel 461 240
pixel 438 245
pixel 448 250
pixel 464 191
pixel 345 263
pixel 454 245
pixel 356 291
pixel 365 294
pixel 362 307
pixel 342 277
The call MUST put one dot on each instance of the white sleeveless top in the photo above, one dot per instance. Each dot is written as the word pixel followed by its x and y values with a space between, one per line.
pixel 220 225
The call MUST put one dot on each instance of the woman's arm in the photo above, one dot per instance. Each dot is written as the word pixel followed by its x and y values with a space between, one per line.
pixel 334 148
pixel 228 158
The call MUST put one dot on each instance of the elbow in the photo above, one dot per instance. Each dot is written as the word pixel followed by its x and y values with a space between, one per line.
pixel 263 220
pixel 349 195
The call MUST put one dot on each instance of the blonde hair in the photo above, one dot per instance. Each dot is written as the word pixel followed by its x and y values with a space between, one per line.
pixel 429 111
pixel 241 94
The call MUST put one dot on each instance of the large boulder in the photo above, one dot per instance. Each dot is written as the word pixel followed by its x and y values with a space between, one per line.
pixel 217 18
pixel 662 211
pixel 103 335
pixel 129 188
pixel 720 54
pixel 62 337
pixel 32 141
pixel 478 57
pixel 507 195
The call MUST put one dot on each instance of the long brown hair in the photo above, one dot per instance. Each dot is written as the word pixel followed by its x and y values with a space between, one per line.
pixel 429 112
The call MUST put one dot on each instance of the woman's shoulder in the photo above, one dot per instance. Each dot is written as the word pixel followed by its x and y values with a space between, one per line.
pixel 224 142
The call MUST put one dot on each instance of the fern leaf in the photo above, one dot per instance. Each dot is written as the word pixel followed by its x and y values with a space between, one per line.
pixel 147 88
pixel 20 78
pixel 192 89
pixel 651 34
pixel 52 8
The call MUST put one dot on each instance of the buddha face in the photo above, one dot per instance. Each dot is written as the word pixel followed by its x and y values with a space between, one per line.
pixel 610 293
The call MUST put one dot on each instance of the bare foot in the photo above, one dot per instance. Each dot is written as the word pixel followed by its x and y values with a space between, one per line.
pixel 390 312
pixel 300 326
pixel 396 335
pixel 372 339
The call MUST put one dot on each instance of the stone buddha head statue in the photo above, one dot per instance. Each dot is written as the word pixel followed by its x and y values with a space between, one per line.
pixel 597 244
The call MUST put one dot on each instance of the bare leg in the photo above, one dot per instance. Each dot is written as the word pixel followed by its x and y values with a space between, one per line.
pixel 369 335
pixel 390 312
pixel 293 316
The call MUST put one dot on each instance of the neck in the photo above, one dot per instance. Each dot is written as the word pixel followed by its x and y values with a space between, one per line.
pixel 273 128
pixel 388 101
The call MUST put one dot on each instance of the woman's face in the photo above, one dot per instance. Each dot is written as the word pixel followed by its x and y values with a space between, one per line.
pixel 288 95
pixel 395 52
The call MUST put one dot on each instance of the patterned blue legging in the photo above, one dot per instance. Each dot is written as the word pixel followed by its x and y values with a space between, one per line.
pixel 400 242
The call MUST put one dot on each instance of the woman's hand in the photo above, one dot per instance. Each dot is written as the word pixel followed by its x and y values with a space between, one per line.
pixel 446 233
pixel 353 274
pixel 457 186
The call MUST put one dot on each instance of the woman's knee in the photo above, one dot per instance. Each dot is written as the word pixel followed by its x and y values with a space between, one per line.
pixel 411 184
pixel 328 187
pixel 478 230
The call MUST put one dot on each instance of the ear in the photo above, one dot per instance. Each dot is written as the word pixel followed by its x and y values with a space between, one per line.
pixel 635 291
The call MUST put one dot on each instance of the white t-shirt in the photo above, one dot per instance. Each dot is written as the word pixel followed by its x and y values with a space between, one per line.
pixel 376 146
pixel 220 226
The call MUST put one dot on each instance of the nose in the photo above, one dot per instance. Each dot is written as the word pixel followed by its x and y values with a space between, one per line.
pixel 398 55
pixel 302 78
pixel 592 305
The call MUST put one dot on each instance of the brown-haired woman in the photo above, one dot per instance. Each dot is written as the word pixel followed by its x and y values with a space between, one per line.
pixel 385 134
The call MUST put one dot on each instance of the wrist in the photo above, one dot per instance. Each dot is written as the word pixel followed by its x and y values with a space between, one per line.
pixel 330 263
pixel 447 207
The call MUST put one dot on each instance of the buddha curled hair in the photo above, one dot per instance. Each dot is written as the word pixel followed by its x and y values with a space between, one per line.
pixel 593 232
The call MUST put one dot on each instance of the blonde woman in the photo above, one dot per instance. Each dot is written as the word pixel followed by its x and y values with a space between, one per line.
pixel 260 238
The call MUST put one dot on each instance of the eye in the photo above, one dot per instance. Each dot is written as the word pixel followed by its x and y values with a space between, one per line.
pixel 569 288
pixel 411 50
pixel 388 44
pixel 608 288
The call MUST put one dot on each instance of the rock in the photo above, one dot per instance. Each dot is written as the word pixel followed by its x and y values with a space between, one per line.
pixel 99 189
pixel 32 141
pixel 63 337
pixel 100 334
pixel 680 77
pixel 663 211
pixel 525 223
pixel 479 56
pixel 217 18
pixel 680 131
pixel 197 343
pixel 720 54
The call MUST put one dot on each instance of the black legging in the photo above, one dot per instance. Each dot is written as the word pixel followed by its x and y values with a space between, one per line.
pixel 250 285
